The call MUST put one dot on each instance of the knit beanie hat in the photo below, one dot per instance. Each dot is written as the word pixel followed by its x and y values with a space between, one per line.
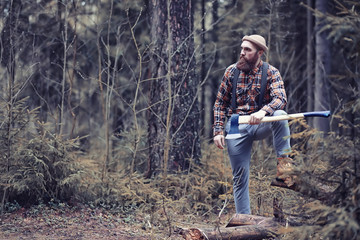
pixel 257 40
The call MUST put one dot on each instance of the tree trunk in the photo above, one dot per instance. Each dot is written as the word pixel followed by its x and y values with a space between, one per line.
pixel 241 226
pixel 250 232
pixel 203 71
pixel 314 187
pixel 309 59
pixel 247 219
pixel 322 70
pixel 173 113
pixel 213 84
pixel 8 40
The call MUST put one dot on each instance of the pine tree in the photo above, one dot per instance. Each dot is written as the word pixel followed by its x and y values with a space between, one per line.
pixel 173 122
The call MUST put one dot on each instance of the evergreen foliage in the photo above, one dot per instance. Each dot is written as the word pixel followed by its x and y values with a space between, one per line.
pixel 84 67
pixel 36 165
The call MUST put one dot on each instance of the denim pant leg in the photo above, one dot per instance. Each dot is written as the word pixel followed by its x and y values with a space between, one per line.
pixel 239 153
pixel 280 131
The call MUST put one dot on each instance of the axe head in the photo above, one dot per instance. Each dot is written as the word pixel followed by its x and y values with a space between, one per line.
pixel 234 127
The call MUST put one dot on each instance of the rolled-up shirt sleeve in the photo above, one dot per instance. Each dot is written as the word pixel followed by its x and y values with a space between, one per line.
pixel 277 95
pixel 222 102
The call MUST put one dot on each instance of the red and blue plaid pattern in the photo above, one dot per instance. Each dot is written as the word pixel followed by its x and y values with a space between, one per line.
pixel 247 94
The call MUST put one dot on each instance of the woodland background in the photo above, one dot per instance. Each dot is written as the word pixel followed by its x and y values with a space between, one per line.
pixel 109 103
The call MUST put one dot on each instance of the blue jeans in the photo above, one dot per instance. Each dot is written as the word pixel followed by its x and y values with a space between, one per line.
pixel 239 151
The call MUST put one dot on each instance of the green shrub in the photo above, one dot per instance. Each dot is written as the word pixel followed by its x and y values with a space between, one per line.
pixel 35 165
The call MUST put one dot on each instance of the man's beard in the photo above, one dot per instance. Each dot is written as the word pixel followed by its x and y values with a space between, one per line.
pixel 247 65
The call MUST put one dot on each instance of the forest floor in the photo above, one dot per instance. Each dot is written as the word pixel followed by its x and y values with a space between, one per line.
pixel 76 223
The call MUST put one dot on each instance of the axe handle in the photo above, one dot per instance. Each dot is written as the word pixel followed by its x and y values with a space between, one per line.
pixel 245 119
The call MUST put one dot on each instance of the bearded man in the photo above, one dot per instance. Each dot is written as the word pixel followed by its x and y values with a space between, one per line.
pixel 248 87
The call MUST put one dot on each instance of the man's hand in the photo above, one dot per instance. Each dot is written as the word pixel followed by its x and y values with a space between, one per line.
pixel 256 117
pixel 219 141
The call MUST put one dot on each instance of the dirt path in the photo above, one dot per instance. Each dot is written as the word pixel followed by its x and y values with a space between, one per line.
pixel 72 224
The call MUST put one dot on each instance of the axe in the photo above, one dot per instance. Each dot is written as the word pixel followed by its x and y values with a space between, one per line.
pixel 235 120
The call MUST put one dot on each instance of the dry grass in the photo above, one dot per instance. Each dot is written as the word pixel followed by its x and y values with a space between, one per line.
pixel 157 207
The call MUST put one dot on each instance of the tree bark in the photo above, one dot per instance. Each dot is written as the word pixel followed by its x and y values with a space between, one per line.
pixel 241 226
pixel 203 69
pixel 247 219
pixel 8 41
pixel 309 58
pixel 313 187
pixel 9 37
pixel 251 232
pixel 322 70
pixel 173 120
pixel 213 85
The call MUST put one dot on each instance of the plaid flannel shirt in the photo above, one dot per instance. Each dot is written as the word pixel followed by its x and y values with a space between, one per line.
pixel 247 94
